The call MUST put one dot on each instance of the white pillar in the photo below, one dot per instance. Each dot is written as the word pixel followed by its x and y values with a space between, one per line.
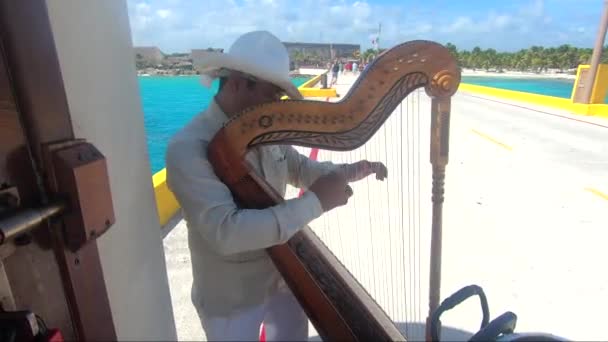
pixel 94 47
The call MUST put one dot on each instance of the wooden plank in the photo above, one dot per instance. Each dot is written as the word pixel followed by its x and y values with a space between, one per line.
pixel 31 272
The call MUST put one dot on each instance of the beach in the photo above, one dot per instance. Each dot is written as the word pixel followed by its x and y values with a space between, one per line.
pixel 518 74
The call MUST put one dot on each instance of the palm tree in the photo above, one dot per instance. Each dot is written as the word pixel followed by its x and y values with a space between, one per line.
pixel 584 58
pixel 535 58
pixel 368 55
pixel 452 49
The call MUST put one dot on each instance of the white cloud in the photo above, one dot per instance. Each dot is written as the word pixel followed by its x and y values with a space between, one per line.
pixel 500 21
pixel 163 13
pixel 142 8
pixel 218 23
pixel 535 8
pixel 176 25
pixel 419 29
pixel 140 16
pixel 459 24
pixel 494 22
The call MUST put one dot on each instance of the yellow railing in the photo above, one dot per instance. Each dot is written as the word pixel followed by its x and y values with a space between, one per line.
pixel 600 110
pixel 166 203
pixel 597 107
pixel 307 88
pixel 312 82
pixel 600 87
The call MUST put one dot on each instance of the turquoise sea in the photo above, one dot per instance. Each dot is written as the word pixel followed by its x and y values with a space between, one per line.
pixel 170 102
pixel 550 87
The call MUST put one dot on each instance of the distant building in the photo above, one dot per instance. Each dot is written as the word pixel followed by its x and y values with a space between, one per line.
pixel 178 59
pixel 149 54
pixel 195 54
pixel 323 51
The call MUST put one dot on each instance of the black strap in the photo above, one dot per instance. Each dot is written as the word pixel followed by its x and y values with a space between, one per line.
pixel 455 299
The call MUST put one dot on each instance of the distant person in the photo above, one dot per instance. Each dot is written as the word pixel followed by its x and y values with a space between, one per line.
pixel 235 285
pixel 355 68
pixel 334 74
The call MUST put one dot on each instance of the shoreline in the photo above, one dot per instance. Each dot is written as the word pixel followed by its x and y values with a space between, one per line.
pixel 464 73
pixel 167 75
pixel 483 73
pixel 517 74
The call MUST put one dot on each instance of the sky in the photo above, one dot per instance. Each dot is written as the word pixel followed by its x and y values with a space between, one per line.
pixel 504 25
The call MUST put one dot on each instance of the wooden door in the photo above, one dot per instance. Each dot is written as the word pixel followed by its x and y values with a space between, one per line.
pixel 64 286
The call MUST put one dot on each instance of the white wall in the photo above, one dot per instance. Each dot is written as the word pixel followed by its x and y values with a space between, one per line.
pixel 94 45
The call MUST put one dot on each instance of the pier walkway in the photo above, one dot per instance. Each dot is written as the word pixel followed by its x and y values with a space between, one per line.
pixel 525 218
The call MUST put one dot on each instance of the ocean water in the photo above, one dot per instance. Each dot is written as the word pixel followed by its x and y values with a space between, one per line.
pixel 543 86
pixel 169 103
pixel 550 87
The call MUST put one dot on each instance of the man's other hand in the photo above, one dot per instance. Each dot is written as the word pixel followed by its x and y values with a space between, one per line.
pixel 332 190
pixel 361 169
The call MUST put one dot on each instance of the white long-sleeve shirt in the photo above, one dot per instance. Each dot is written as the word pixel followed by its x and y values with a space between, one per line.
pixel 231 269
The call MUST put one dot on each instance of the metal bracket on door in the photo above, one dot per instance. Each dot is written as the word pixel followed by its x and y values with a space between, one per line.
pixel 9 199
pixel 80 192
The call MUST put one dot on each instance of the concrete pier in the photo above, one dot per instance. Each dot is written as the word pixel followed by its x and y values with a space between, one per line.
pixel 524 218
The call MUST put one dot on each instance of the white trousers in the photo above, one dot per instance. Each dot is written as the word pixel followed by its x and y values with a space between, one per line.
pixel 283 317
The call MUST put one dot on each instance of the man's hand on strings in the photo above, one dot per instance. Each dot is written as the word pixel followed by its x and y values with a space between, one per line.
pixel 332 190
pixel 361 169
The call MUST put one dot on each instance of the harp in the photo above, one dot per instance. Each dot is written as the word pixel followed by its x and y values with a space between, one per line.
pixel 339 307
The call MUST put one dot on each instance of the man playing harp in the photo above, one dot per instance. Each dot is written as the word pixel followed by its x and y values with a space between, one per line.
pixel 236 287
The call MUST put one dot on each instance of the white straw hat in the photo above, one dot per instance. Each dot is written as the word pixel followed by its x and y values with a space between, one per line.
pixel 258 53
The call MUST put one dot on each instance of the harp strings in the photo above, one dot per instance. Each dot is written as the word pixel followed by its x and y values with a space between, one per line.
pixel 378 235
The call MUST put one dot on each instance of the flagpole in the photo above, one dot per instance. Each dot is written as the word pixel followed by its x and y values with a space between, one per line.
pixel 596 56
pixel 378 39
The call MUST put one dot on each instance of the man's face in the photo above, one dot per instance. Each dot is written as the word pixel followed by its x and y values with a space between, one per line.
pixel 250 93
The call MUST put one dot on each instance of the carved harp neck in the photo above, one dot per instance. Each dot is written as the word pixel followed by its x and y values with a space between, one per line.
pixel 349 123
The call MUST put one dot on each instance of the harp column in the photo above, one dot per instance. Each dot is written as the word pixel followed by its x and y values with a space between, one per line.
pixel 440 122
pixel 442 87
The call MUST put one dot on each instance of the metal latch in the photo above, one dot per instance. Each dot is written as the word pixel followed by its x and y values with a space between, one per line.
pixel 25 220
pixel 9 199
pixel 80 194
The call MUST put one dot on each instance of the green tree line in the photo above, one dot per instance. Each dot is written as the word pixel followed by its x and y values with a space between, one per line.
pixel 369 54
pixel 312 57
pixel 535 58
